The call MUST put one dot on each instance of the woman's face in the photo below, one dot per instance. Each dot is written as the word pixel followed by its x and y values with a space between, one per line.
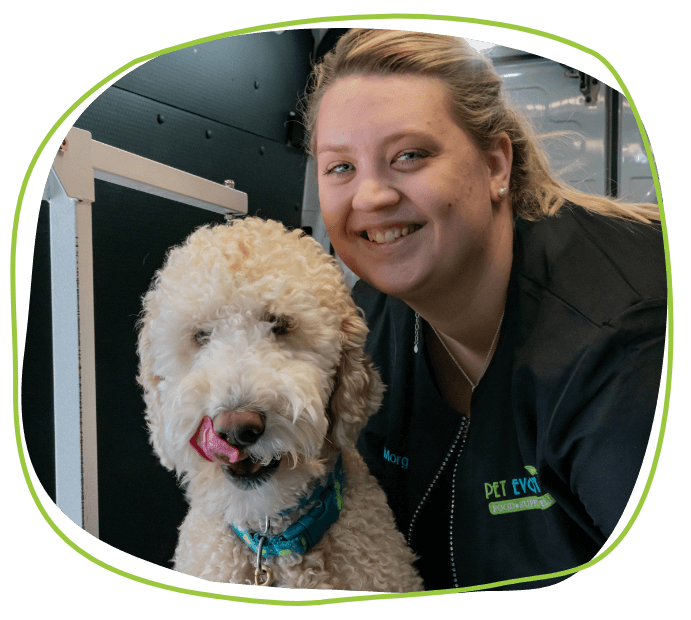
pixel 405 194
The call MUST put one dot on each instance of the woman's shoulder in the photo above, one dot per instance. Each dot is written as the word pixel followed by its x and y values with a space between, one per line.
pixel 391 326
pixel 598 265
pixel 366 294
pixel 377 305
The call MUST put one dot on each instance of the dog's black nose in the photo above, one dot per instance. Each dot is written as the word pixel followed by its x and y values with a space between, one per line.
pixel 239 428
pixel 246 435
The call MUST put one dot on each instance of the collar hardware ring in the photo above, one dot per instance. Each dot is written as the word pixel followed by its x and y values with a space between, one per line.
pixel 261 569
pixel 258 576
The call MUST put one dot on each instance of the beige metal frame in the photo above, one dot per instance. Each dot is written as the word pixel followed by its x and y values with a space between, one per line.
pixel 70 190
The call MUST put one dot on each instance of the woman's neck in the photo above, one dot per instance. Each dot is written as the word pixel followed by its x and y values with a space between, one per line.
pixel 467 313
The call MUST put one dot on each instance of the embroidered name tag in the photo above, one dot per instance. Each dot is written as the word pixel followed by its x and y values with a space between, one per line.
pixel 401 461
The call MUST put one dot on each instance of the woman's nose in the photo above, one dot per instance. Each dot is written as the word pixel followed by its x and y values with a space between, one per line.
pixel 374 193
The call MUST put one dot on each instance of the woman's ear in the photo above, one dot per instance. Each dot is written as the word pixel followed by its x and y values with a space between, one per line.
pixel 499 161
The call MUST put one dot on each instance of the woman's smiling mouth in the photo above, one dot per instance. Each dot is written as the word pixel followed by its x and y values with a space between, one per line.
pixel 389 234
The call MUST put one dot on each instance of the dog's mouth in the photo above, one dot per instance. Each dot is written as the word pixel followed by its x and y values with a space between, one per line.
pixel 248 474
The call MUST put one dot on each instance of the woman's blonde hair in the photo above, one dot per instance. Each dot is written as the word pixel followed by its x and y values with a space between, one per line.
pixel 481 110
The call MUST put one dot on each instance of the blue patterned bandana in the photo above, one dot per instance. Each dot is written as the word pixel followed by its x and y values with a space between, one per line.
pixel 302 535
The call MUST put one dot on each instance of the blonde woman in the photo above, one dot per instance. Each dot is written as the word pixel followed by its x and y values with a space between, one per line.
pixel 518 324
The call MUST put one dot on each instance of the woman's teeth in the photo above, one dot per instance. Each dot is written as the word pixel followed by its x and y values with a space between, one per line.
pixel 390 235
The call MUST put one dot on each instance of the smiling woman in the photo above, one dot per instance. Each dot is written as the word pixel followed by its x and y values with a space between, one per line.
pixel 385 138
pixel 494 293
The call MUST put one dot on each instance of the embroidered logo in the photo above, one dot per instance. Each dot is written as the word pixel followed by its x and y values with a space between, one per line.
pixel 521 493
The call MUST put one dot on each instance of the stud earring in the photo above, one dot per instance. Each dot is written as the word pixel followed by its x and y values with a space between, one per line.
pixel 502 192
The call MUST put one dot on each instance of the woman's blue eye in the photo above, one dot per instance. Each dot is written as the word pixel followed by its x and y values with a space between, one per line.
pixel 338 169
pixel 407 156
pixel 410 156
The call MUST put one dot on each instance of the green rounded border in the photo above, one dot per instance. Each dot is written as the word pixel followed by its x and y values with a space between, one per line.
pixel 291 23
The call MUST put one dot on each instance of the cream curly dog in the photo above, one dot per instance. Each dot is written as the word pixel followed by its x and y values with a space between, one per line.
pixel 256 387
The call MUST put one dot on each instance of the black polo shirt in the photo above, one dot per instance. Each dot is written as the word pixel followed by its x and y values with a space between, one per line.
pixel 560 421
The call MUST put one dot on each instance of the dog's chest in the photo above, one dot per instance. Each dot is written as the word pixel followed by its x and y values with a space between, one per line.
pixel 311 570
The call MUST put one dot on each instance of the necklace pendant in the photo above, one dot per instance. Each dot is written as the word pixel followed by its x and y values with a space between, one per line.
pixel 415 349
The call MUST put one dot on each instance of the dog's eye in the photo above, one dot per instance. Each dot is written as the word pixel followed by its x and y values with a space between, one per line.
pixel 202 337
pixel 281 324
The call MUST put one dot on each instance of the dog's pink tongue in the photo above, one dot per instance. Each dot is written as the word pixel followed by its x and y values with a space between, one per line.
pixel 211 446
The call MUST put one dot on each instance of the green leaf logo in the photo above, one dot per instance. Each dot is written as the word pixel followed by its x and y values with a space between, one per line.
pixel 531 469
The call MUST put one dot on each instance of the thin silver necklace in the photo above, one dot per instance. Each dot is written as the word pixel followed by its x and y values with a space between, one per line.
pixel 489 353
pixel 462 434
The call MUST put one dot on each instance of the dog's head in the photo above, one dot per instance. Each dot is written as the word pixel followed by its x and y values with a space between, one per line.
pixel 253 326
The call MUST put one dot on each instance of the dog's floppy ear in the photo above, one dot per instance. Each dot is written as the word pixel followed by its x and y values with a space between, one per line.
pixel 358 389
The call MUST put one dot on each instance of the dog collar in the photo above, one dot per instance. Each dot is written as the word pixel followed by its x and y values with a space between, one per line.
pixel 308 530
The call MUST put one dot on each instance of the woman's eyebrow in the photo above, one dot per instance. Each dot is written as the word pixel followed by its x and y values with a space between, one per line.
pixel 399 135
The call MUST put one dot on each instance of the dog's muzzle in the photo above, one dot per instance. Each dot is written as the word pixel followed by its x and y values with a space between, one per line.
pixel 212 447
pixel 225 440
pixel 241 428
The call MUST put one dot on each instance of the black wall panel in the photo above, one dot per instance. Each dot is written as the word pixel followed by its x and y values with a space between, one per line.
pixel 197 110
pixel 218 110
pixel 249 82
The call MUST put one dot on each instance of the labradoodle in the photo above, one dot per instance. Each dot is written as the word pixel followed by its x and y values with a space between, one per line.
pixel 256 387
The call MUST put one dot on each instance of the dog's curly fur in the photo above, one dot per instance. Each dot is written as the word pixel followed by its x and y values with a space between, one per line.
pixel 251 316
